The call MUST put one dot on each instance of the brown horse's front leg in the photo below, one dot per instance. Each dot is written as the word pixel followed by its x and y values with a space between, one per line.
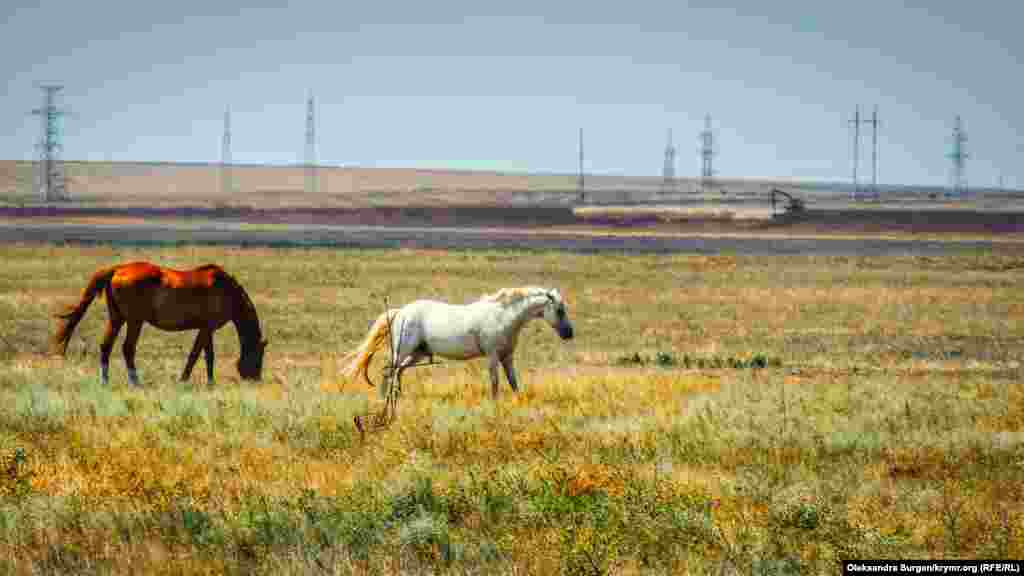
pixel 128 349
pixel 208 353
pixel 193 356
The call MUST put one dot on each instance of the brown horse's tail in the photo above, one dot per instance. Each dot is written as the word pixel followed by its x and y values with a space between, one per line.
pixel 359 359
pixel 73 314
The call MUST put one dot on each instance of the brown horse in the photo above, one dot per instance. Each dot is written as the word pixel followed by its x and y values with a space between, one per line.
pixel 202 299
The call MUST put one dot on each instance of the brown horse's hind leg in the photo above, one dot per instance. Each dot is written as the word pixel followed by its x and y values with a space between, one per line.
pixel 114 323
pixel 197 346
pixel 128 349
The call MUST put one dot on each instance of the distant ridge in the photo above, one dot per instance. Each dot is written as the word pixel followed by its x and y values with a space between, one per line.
pixel 162 183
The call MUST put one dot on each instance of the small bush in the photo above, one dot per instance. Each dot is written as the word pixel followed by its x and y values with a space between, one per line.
pixel 668 360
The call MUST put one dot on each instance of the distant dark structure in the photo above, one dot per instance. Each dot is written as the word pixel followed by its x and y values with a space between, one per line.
pixel 50 180
pixel 793 204
pixel 958 180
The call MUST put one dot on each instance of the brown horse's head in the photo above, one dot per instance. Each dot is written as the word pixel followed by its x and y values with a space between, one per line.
pixel 250 364
pixel 250 337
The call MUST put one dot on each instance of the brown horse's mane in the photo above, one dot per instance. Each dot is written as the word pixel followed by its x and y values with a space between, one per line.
pixel 249 317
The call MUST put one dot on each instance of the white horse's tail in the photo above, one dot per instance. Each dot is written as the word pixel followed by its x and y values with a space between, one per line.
pixel 359 359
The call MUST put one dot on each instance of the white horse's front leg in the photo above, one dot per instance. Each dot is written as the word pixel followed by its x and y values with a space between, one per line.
pixel 494 375
pixel 510 372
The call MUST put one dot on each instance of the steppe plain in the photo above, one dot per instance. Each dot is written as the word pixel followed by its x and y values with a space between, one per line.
pixel 718 412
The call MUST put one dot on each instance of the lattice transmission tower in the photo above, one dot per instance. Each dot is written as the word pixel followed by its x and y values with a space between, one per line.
pixel 958 180
pixel 668 173
pixel 227 184
pixel 50 180
pixel 707 155
pixel 312 178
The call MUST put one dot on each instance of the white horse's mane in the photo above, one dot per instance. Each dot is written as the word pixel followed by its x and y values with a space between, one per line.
pixel 511 295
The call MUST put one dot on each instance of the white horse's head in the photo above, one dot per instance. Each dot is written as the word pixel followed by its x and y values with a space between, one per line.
pixel 555 313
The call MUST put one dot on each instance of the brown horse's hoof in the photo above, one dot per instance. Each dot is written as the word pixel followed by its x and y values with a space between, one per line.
pixel 359 426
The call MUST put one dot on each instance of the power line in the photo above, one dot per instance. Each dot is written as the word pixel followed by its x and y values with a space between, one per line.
pixel 50 172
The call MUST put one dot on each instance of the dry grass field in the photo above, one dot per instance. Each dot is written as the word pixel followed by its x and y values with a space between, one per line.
pixel 714 415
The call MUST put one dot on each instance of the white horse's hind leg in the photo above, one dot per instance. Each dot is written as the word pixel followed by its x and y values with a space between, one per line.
pixel 510 372
pixel 405 346
pixel 395 387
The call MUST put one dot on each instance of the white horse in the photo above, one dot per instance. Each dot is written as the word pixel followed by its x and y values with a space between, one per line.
pixel 488 327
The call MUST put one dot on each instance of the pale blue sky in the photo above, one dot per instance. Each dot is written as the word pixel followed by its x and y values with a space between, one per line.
pixel 505 86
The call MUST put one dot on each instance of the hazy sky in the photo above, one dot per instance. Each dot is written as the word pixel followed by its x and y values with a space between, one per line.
pixel 506 86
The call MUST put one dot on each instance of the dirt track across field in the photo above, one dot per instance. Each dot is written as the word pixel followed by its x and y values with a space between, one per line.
pixel 355 236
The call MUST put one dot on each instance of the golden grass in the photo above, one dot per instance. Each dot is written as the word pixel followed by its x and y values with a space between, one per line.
pixel 892 426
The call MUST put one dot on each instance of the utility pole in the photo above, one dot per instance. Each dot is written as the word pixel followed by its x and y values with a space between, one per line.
pixel 50 172
pixel 707 153
pixel 226 182
pixel 856 151
pixel 856 122
pixel 958 185
pixel 668 183
pixel 312 182
pixel 580 189
pixel 874 153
